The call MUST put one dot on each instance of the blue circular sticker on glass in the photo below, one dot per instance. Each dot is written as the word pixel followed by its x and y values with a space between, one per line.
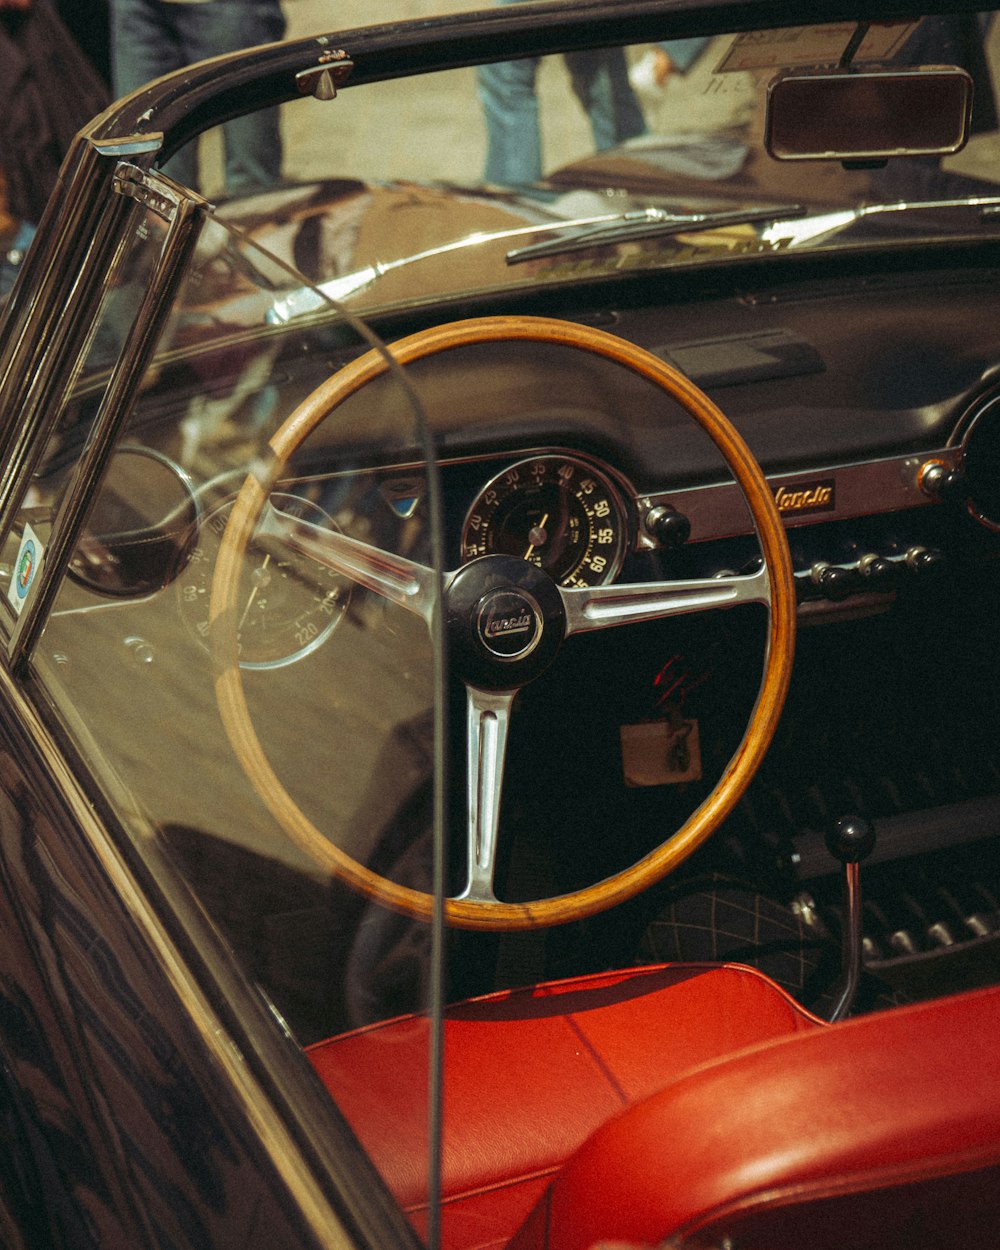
pixel 29 559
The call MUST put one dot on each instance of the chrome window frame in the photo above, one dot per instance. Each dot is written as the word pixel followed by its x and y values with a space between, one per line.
pixel 47 346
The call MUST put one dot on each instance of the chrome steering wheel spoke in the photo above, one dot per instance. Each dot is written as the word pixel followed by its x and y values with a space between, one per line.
pixel 414 587
pixel 603 607
pixel 404 582
pixel 488 724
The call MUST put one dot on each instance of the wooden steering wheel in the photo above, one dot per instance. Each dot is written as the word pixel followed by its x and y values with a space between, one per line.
pixel 554 612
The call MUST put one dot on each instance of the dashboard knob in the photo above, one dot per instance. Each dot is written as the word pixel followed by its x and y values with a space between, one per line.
pixel 943 483
pixel 923 559
pixel 669 527
pixel 878 571
pixel 834 582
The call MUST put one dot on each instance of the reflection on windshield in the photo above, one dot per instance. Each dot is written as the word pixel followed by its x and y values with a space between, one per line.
pixel 337 685
pixel 380 218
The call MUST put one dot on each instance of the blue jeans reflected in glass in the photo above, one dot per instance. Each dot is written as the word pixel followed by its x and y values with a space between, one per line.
pixel 507 91
pixel 150 38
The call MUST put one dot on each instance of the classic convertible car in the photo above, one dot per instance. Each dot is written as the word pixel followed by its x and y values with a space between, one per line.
pixel 501 718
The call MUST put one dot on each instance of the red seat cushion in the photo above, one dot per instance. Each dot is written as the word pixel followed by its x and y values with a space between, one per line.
pixel 882 1133
pixel 529 1075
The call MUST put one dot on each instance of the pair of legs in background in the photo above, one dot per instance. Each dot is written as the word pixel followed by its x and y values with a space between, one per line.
pixel 150 38
pixel 507 91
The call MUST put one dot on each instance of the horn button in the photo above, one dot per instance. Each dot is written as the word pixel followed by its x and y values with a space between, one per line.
pixel 505 622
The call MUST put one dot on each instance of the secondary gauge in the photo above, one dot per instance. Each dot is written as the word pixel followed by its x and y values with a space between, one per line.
pixel 288 604
pixel 559 512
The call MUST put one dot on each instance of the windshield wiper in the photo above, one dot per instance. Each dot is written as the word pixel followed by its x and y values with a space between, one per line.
pixel 811 230
pixel 309 299
pixel 645 223
pixel 585 232
pixel 571 235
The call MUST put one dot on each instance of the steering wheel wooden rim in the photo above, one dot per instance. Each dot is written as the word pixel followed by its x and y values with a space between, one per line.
pixel 247 509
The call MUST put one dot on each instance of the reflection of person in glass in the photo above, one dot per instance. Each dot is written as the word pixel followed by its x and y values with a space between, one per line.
pixel 150 38
pixel 650 73
pixel 48 89
pixel 957 39
pixel 510 104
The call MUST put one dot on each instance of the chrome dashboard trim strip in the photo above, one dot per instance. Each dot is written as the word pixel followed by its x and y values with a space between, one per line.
pixel 716 510
pixel 855 490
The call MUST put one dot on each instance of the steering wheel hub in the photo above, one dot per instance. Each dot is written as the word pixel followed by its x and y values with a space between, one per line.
pixel 506 621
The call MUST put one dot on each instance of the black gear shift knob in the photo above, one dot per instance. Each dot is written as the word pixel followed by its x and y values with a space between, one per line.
pixel 851 839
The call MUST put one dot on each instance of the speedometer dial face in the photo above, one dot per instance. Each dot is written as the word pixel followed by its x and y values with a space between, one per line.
pixel 288 604
pixel 556 511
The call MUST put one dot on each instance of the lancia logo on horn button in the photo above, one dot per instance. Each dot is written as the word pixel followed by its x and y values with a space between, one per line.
pixel 509 623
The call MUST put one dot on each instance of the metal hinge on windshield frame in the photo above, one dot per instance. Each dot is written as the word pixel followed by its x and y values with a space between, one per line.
pixel 323 80
pixel 155 194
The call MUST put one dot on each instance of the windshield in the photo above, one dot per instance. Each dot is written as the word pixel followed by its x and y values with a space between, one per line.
pixel 442 186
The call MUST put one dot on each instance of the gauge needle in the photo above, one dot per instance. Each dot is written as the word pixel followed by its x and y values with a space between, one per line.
pixel 259 579
pixel 537 535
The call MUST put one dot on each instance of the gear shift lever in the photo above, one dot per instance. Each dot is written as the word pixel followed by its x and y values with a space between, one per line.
pixel 850 840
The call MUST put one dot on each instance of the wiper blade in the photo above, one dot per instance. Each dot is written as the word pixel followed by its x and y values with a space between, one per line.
pixel 645 223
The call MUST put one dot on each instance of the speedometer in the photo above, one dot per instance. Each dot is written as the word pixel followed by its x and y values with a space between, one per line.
pixel 288 604
pixel 558 512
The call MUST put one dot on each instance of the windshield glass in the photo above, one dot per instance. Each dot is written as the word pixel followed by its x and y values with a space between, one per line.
pixel 261 723
pixel 439 186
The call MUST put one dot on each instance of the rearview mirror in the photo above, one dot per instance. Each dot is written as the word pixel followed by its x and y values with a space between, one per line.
pixel 867 115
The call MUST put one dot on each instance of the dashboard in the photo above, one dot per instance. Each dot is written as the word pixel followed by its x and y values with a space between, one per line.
pixel 871 399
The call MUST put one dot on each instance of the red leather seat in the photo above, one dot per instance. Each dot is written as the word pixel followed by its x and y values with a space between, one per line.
pixel 881 1133
pixel 530 1074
